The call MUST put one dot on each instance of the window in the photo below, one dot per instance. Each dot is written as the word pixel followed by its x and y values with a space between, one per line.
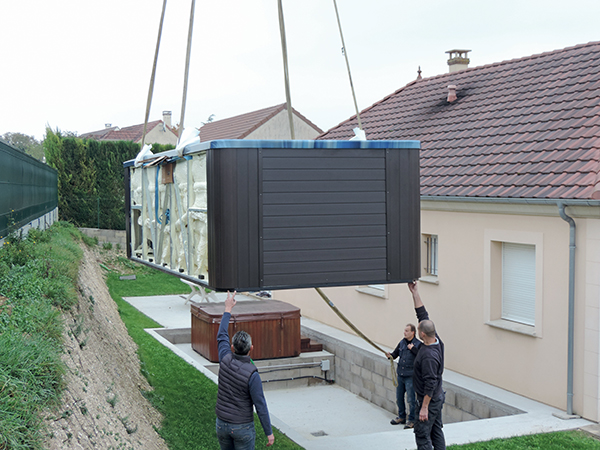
pixel 513 280
pixel 431 244
pixel 429 258
pixel 518 283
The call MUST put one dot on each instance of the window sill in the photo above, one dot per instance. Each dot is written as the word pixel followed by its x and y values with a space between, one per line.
pixel 431 279
pixel 515 327
pixel 371 291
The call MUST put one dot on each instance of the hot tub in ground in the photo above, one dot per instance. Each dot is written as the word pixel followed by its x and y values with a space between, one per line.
pixel 273 325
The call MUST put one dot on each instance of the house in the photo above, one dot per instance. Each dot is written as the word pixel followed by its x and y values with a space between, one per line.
pixel 267 123
pixel 510 223
pixel 157 132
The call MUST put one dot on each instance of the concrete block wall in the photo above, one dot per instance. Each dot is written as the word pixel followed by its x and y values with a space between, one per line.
pixel 42 223
pixel 462 405
pixel 303 368
pixel 113 236
pixel 359 371
pixel 305 365
pixel 369 375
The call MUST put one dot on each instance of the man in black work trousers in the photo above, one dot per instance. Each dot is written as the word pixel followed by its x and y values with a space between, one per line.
pixel 427 380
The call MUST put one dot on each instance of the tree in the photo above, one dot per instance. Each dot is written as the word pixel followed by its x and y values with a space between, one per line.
pixel 25 143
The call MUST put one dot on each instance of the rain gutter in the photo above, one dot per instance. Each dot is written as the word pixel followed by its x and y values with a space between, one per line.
pixel 571 222
pixel 516 201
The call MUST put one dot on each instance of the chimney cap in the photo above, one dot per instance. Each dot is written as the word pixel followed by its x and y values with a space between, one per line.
pixel 458 60
pixel 450 52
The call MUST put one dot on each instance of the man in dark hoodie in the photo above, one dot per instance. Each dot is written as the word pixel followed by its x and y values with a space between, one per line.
pixel 427 380
pixel 240 388
pixel 406 352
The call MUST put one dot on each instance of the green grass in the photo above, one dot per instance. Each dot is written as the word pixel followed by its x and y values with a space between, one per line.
pixel 572 440
pixel 38 277
pixel 184 396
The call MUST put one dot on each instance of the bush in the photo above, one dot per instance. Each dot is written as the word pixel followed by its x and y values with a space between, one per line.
pixel 91 191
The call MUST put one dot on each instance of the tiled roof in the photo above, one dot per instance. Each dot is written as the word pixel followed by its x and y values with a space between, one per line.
pixel 99 135
pixel 239 127
pixel 132 133
pixel 524 128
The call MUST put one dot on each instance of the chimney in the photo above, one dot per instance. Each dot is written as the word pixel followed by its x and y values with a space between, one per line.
pixel 458 60
pixel 167 118
pixel 451 93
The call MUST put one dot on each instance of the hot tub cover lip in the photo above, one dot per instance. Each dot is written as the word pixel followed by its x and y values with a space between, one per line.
pixel 285 144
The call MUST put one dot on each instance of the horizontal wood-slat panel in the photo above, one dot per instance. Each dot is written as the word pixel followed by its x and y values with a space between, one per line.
pixel 323 186
pixel 356 265
pixel 319 207
pixel 323 221
pixel 323 209
pixel 323 244
pixel 323 232
pixel 323 198
pixel 324 255
pixel 323 279
pixel 321 174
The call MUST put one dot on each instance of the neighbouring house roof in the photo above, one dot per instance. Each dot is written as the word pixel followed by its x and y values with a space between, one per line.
pixel 524 128
pixel 239 127
pixel 98 135
pixel 132 133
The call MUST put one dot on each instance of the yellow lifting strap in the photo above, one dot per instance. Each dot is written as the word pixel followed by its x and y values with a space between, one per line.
pixel 337 15
pixel 357 331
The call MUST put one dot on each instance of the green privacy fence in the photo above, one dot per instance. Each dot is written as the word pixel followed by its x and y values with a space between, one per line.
pixel 28 189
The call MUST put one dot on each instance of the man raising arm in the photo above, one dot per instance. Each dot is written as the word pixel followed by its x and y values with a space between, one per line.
pixel 427 380
pixel 240 388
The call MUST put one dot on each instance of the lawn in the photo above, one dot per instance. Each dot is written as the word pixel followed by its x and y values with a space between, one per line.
pixel 571 440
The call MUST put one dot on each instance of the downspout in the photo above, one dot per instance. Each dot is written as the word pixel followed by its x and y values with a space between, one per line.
pixel 563 215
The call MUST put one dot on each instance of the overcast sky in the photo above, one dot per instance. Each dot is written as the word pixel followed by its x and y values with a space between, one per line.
pixel 77 65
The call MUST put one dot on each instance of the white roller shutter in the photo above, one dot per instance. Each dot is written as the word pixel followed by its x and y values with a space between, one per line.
pixel 518 283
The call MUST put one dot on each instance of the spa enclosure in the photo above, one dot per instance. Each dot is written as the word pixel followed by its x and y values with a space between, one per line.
pixel 254 215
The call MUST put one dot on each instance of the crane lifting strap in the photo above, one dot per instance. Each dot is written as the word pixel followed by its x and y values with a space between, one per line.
pixel 356 330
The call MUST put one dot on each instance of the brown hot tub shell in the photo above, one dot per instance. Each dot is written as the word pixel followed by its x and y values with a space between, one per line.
pixel 273 325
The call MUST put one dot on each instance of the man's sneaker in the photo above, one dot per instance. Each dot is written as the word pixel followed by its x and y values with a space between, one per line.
pixel 397 421
pixel 409 425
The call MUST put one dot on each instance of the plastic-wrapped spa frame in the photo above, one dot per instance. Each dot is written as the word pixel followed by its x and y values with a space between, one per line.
pixel 254 215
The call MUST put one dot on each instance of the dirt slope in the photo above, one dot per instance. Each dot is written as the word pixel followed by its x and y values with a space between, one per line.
pixel 103 407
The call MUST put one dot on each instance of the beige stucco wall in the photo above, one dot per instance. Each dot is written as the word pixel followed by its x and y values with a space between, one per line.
pixel 159 136
pixel 526 360
pixel 279 128
pixel 590 239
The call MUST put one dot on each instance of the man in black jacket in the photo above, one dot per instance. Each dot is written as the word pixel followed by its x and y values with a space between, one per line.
pixel 427 380
pixel 240 389
pixel 406 352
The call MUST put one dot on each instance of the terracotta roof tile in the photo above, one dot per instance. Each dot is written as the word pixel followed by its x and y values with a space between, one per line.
pixel 527 127
pixel 239 127
pixel 132 133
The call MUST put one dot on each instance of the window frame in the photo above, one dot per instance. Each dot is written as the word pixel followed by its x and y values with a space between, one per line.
pixel 493 240
pixel 430 251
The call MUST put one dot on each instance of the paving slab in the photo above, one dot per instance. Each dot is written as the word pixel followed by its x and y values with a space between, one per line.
pixel 332 418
